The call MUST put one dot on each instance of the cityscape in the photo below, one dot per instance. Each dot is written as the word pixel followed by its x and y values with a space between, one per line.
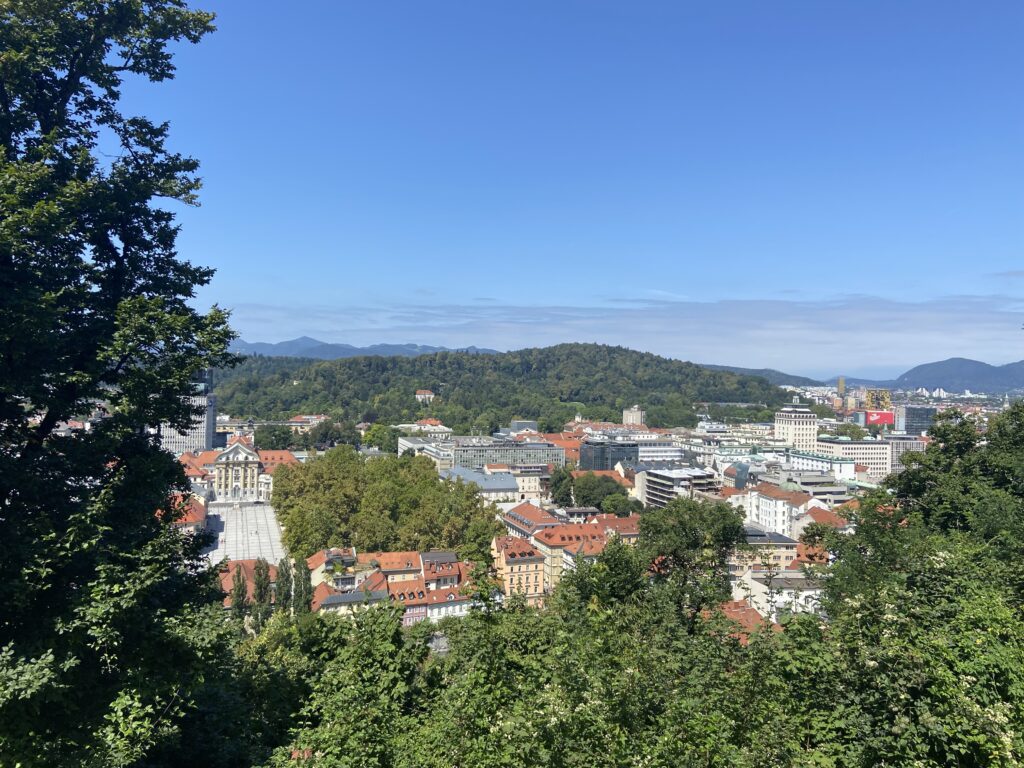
pixel 465 385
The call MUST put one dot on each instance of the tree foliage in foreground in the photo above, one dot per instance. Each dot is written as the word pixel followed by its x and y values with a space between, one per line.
pixel 920 662
pixel 383 503
pixel 99 660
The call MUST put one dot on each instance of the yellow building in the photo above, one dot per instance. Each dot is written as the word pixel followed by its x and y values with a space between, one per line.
pixel 878 400
pixel 520 568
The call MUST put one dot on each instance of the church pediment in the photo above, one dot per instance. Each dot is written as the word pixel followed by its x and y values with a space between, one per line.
pixel 237 453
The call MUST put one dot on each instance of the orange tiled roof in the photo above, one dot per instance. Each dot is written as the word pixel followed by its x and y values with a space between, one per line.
pixel 746 616
pixel 318 558
pixel 409 592
pixel 587 548
pixel 515 547
pixel 827 517
pixel 623 526
pixel 391 561
pixel 795 498
pixel 562 535
pixel 248 568
pixel 322 591
pixel 533 514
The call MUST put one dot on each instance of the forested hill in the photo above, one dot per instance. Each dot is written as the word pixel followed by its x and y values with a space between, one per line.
pixel 482 391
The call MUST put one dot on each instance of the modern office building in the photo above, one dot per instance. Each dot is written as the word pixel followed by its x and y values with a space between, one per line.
pixel 601 453
pixel 876 455
pixel 657 487
pixel 902 444
pixel 915 419
pixel 199 437
pixel 660 450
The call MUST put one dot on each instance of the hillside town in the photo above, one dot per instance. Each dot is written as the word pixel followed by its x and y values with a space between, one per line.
pixel 801 469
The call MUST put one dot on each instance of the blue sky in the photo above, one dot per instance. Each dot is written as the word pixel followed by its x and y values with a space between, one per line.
pixel 817 187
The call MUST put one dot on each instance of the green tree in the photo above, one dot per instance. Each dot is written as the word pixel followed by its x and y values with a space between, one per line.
pixel 390 502
pixel 274 437
pixel 262 592
pixel 363 693
pixel 283 587
pixel 850 430
pixel 303 596
pixel 96 313
pixel 239 595
pixel 382 436
pixel 331 433
pixel 620 504
pixel 688 544
pixel 590 490
pixel 561 487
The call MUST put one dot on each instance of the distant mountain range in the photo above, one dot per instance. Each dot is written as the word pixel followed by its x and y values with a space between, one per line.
pixel 954 375
pixel 304 346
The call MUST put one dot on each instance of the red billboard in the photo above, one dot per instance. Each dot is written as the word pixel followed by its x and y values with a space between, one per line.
pixel 879 417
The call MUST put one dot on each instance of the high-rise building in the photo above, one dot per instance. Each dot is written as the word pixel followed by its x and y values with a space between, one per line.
pixel 877 400
pixel 634 416
pixel 915 419
pixel 199 437
pixel 841 386
pixel 797 425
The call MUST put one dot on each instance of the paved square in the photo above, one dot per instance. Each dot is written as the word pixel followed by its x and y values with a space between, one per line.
pixel 244 531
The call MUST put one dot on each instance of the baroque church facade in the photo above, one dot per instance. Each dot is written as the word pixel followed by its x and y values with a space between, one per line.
pixel 236 473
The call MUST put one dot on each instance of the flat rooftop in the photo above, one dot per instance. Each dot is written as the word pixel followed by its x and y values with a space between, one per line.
pixel 243 531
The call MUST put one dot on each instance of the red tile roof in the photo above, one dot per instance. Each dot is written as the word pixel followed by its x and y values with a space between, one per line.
pixel 271 460
pixel 623 526
pixel 447 595
pixel 322 591
pixel 409 592
pixel 563 535
pixel 794 498
pixel 391 561
pixel 533 516
pixel 317 559
pixel 827 517
pixel 588 548
pixel 248 567
pixel 515 547
pixel 747 618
